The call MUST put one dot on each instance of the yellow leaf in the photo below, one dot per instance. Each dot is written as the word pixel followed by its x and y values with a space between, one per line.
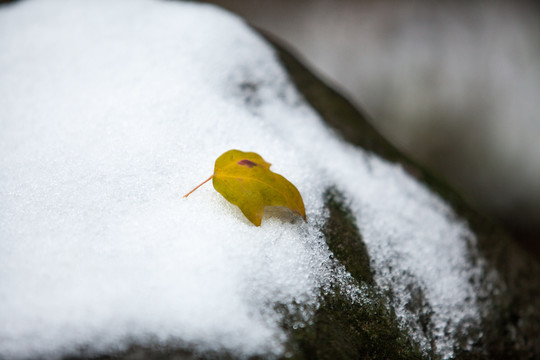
pixel 245 180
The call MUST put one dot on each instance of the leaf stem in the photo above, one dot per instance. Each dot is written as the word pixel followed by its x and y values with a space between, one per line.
pixel 198 186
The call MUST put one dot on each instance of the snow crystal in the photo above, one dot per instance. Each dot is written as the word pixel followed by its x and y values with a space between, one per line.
pixel 111 111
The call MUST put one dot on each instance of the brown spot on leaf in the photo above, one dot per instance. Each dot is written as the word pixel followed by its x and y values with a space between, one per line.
pixel 247 163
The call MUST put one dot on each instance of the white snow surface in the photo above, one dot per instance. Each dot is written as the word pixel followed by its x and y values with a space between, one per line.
pixel 110 112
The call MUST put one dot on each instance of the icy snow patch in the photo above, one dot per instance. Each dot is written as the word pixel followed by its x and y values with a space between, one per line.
pixel 110 112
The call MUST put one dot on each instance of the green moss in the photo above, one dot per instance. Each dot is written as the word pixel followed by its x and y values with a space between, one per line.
pixel 344 239
pixel 345 329
pixel 342 327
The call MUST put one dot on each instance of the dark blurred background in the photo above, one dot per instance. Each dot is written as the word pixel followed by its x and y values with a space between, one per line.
pixel 455 84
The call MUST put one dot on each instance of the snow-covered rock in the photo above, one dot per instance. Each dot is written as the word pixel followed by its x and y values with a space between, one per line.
pixel 111 110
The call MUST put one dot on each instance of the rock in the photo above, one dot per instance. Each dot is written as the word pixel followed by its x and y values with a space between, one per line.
pixel 105 105
pixel 508 283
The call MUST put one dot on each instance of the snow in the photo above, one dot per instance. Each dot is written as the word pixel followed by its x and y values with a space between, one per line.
pixel 111 111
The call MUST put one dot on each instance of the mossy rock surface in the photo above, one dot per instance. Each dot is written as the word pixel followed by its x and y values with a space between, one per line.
pixel 343 328
pixel 510 303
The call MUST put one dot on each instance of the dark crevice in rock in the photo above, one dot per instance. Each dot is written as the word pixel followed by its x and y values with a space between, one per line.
pixel 344 239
